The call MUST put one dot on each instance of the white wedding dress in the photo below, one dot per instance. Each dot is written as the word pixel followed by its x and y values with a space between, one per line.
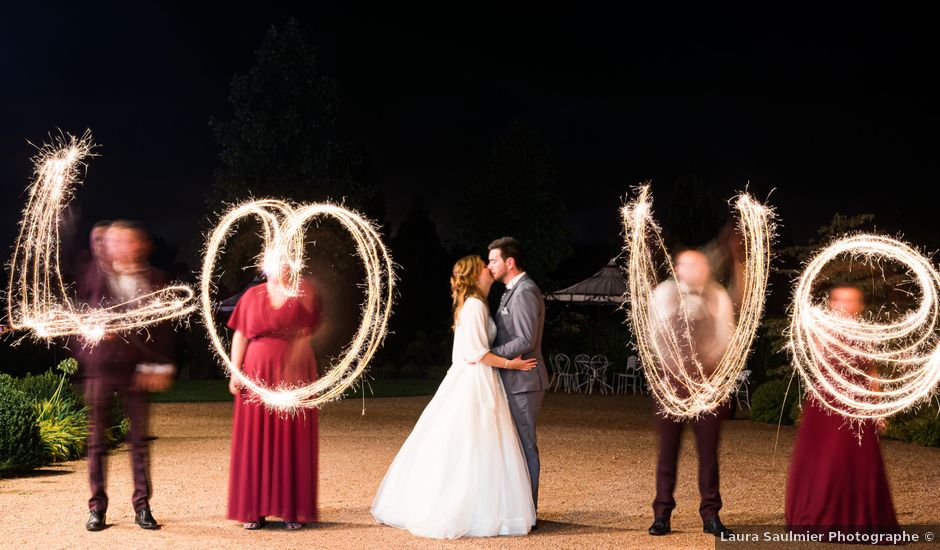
pixel 461 472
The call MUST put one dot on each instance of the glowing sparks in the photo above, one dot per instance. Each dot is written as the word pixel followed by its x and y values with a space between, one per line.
pixel 37 297
pixel 690 392
pixel 833 352
pixel 283 233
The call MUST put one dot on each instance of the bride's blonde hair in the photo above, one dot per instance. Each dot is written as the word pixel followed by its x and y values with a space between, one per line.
pixel 463 282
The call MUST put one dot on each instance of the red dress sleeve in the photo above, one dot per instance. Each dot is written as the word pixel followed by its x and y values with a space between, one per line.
pixel 239 318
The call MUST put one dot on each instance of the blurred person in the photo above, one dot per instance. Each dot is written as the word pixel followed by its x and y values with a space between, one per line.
pixel 711 321
pixel 113 364
pixel 91 270
pixel 273 469
pixel 462 471
pixel 837 476
pixel 93 264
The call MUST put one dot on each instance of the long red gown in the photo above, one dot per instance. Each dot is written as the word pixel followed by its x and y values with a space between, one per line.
pixel 274 457
pixel 837 480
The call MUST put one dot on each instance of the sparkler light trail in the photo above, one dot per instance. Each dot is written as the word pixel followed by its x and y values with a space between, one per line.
pixel 833 352
pixel 689 393
pixel 37 298
pixel 283 234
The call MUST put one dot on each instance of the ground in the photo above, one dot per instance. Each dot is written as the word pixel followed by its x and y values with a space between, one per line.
pixel 597 482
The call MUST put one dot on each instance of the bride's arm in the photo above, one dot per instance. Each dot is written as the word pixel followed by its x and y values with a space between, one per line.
pixel 493 360
pixel 473 319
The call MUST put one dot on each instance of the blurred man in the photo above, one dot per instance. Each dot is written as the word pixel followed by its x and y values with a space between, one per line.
pixel 113 362
pixel 711 322
pixel 91 268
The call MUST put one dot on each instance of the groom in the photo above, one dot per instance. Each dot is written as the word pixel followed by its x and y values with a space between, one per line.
pixel 520 319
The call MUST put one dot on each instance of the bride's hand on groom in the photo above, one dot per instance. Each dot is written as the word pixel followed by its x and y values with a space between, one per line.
pixel 519 363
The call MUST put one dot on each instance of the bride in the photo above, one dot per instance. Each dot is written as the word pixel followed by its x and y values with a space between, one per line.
pixel 462 471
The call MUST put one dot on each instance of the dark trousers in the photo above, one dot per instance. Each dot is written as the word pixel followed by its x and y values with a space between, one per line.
pixel 525 408
pixel 706 431
pixel 99 393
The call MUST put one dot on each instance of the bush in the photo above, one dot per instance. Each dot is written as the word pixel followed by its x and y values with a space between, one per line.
pixel 768 401
pixel 62 419
pixel 63 428
pixel 21 448
pixel 43 386
pixel 120 423
pixel 37 386
pixel 921 427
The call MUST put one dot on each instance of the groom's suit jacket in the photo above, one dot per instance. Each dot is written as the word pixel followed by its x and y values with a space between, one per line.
pixel 520 320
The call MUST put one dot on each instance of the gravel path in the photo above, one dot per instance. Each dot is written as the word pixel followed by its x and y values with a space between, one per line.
pixel 597 482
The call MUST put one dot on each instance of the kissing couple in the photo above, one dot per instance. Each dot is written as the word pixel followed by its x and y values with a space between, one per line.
pixel 471 464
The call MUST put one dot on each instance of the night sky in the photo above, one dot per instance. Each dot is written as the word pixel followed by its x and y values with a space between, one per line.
pixel 831 109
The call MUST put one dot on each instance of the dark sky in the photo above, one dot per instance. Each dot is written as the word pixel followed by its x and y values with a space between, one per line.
pixel 833 107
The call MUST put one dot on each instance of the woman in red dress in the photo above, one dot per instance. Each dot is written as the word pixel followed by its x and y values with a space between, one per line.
pixel 837 477
pixel 274 456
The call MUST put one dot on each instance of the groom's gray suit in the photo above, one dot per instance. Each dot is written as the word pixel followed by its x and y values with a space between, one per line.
pixel 520 320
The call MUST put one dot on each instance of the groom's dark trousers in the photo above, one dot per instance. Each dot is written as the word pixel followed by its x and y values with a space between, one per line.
pixel 669 432
pixel 525 409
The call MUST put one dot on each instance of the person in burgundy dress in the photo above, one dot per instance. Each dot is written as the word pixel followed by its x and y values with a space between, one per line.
pixel 837 477
pixel 274 456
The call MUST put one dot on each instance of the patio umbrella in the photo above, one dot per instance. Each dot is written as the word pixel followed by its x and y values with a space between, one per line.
pixel 606 287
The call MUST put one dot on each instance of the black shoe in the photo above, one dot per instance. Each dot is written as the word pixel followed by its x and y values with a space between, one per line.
pixel 535 526
pixel 715 527
pixel 145 519
pixel 660 527
pixel 95 520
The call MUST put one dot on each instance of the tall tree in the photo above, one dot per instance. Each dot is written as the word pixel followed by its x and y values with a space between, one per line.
pixel 282 139
pixel 517 197
pixel 420 328
pixel 693 217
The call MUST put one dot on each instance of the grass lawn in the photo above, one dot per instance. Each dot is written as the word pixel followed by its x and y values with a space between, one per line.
pixel 195 391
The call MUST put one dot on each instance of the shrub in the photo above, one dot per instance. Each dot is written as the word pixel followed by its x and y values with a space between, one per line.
pixel 62 420
pixel 21 448
pixel 63 428
pixel 768 402
pixel 921 427
pixel 120 423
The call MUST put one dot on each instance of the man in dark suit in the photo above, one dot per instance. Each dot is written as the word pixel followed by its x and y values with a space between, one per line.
pixel 711 317
pixel 111 366
pixel 520 321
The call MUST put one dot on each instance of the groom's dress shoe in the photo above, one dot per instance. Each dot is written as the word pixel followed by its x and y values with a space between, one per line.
pixel 145 519
pixel 659 527
pixel 715 527
pixel 95 520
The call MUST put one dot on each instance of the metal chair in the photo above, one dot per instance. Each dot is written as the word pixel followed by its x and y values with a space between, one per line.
pixel 564 378
pixel 582 370
pixel 599 365
pixel 741 390
pixel 630 377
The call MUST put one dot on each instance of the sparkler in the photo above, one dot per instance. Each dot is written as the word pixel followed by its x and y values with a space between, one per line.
pixel 689 393
pixel 37 297
pixel 832 352
pixel 283 227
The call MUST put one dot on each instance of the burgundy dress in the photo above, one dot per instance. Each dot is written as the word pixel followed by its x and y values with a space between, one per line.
pixel 835 479
pixel 274 457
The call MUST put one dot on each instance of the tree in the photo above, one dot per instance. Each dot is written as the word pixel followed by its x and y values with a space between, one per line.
pixel 517 198
pixel 282 142
pixel 422 320
pixel 886 285
pixel 693 217
pixel 282 139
